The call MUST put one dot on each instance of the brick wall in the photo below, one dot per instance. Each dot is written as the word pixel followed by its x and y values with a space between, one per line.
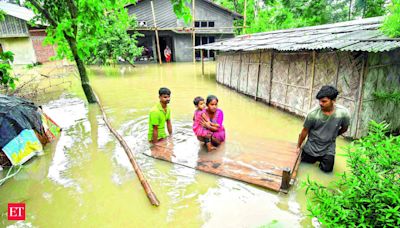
pixel 43 53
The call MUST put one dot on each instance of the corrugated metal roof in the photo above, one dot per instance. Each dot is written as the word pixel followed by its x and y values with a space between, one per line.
pixel 17 11
pixel 357 35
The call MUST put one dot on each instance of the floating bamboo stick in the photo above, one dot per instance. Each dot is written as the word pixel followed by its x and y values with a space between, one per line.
pixel 146 186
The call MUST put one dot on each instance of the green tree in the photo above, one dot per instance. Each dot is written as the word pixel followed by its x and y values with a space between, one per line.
pixel 89 29
pixel 75 26
pixel 391 26
pixel 6 58
pixel 369 194
pixel 369 8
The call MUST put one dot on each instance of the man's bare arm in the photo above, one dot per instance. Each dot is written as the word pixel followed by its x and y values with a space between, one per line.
pixel 302 136
pixel 343 130
pixel 155 134
pixel 169 126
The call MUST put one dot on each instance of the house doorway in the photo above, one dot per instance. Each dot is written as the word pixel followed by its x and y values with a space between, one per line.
pixel 164 41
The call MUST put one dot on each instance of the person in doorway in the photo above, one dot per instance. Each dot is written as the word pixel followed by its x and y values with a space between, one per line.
pixel 213 121
pixel 323 125
pixel 167 54
pixel 160 115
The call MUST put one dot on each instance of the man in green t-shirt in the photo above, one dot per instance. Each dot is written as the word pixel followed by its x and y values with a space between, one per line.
pixel 323 125
pixel 159 115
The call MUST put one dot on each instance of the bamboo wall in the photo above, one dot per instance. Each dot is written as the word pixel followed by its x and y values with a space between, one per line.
pixel 291 80
pixel 383 75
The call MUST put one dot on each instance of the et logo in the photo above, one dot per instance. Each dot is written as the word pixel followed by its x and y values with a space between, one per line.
pixel 16 211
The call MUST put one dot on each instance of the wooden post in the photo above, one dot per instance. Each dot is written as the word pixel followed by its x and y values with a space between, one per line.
pixel 312 80
pixel 285 179
pixel 364 71
pixel 202 62
pixel 244 17
pixel 240 72
pixel 258 75
pixel 146 186
pixel 193 30
pixel 155 27
pixel 287 87
pixel 271 75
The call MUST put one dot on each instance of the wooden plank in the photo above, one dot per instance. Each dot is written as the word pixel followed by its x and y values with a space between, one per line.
pixel 259 164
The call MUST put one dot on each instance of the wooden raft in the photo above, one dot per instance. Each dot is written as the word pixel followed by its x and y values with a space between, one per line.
pixel 272 164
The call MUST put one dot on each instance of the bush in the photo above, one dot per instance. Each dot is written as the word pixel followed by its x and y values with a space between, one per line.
pixel 6 79
pixel 367 196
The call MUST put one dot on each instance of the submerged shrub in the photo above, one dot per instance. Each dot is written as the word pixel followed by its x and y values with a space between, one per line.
pixel 369 194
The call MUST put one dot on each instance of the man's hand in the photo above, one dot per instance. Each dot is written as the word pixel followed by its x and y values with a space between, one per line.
pixel 298 149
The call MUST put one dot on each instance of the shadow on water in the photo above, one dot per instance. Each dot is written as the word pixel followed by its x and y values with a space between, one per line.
pixel 86 179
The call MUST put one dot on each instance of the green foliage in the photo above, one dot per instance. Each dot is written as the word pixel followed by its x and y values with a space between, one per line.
pixel 97 26
pixel 369 8
pixel 6 78
pixel 270 15
pixel 391 26
pixel 6 58
pixel 385 96
pixel 2 15
pixel 368 196
pixel 182 10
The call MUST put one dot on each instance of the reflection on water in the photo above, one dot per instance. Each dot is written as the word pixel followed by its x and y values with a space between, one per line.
pixel 87 180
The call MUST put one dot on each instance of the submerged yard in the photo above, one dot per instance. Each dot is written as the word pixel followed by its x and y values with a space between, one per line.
pixel 86 179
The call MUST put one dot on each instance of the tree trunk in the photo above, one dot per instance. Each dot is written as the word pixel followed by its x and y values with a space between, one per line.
pixel 82 71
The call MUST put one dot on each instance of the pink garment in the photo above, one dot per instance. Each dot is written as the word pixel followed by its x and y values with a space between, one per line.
pixel 198 129
pixel 219 119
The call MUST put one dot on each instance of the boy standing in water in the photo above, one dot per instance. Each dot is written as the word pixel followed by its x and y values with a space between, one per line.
pixel 323 125
pixel 160 115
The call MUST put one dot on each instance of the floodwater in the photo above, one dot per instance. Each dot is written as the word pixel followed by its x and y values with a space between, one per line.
pixel 86 180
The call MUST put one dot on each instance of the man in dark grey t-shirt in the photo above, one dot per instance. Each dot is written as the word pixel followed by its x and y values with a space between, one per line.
pixel 323 125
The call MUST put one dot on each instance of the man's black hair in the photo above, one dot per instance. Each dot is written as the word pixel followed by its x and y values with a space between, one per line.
pixel 164 91
pixel 197 100
pixel 327 91
pixel 211 98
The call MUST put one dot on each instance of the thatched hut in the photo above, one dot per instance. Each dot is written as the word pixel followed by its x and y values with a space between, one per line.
pixel 286 68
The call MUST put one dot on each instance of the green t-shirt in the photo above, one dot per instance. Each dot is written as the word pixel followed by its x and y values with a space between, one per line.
pixel 323 130
pixel 158 117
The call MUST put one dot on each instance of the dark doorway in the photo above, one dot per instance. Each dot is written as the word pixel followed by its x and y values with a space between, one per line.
pixel 164 41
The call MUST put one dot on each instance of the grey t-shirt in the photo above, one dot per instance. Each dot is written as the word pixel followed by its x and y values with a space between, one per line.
pixel 324 129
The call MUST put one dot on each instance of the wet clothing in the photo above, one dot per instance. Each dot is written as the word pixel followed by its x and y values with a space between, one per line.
pixel 219 119
pixel 326 162
pixel 158 117
pixel 198 129
pixel 323 130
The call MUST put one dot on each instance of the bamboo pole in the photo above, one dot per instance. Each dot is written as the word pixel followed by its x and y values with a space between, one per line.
pixel 312 80
pixel 157 39
pixel 287 86
pixel 271 75
pixel 239 72
pixel 146 186
pixel 360 93
pixel 258 75
pixel 202 62
pixel 244 17
pixel 193 30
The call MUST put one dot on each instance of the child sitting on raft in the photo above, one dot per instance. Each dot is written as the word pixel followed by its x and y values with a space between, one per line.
pixel 202 133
